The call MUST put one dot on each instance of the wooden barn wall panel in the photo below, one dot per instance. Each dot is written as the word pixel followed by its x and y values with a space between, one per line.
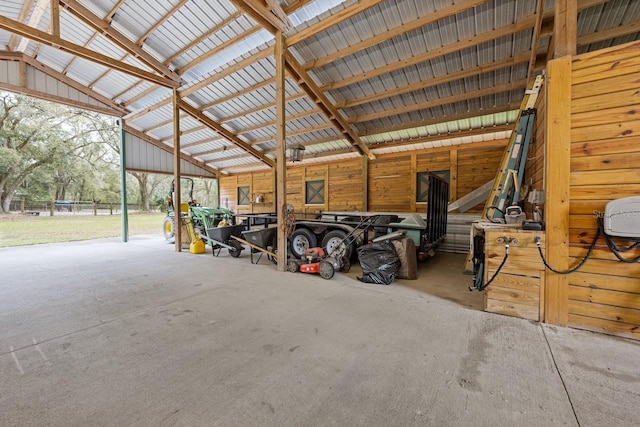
pixel 390 184
pixel 228 192
pixel 391 180
pixel 605 151
pixel 344 186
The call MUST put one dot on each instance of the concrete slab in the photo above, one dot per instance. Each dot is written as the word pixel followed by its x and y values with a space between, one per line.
pixel 601 374
pixel 106 333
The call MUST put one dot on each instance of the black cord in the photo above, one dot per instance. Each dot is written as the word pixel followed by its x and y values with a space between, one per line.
pixel 506 255
pixel 615 249
pixel 577 266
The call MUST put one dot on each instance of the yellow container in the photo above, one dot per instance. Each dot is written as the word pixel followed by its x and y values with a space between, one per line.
pixel 197 247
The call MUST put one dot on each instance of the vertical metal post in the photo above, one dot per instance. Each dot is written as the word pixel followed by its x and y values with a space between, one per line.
pixel 123 183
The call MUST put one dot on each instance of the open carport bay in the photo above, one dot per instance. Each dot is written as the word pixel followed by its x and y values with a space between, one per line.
pixel 106 333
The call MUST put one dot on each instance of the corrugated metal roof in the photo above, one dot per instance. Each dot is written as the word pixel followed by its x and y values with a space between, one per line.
pixel 427 111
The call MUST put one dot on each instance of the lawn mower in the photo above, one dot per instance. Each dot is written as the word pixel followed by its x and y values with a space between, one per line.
pixel 314 261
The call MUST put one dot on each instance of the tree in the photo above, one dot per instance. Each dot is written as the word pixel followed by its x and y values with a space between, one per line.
pixel 147 185
pixel 66 144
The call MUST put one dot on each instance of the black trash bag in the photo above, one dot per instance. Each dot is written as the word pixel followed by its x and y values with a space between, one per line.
pixel 379 261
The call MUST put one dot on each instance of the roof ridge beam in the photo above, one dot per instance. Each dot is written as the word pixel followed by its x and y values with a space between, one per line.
pixel 81 51
pixel 103 27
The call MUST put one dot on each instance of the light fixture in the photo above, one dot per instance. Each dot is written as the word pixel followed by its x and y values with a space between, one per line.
pixel 297 153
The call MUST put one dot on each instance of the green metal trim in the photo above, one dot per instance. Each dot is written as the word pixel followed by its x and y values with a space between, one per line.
pixel 123 184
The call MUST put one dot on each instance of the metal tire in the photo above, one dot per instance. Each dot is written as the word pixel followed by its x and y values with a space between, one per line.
pixel 326 270
pixel 301 240
pixel 332 242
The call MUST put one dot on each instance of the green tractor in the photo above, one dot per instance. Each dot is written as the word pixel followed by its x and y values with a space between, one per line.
pixel 201 217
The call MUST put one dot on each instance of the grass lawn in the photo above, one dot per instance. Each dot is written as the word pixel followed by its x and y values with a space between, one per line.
pixel 18 230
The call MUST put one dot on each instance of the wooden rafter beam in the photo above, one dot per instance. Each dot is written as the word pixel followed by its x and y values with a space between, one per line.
pixel 520 25
pixel 609 33
pixel 217 127
pixel 116 109
pixel 535 40
pixel 335 19
pixel 519 84
pixel 219 48
pixel 259 108
pixel 440 119
pixel 202 37
pixel 394 32
pixel 105 28
pixel 36 16
pixel 22 16
pixel 55 18
pixel 518 58
pixel 41 37
pixel 311 88
pixel 239 93
pixel 440 137
pixel 169 149
pixel 267 13
pixel 270 123
pixel 228 71
pixel 297 132
pixel 161 21
pixel 298 4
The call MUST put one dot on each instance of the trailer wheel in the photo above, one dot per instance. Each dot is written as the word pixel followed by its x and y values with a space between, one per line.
pixel 237 248
pixel 292 266
pixel 345 265
pixel 169 229
pixel 334 245
pixel 301 240
pixel 326 270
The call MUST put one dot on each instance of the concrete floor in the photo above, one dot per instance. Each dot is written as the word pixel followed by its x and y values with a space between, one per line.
pixel 106 333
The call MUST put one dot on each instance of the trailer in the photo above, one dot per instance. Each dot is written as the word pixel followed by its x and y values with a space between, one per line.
pixel 329 229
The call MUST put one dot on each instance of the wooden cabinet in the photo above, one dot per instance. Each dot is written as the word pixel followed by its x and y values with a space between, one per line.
pixel 518 290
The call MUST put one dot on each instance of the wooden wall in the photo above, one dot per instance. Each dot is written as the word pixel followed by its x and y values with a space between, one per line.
pixel 604 154
pixel 390 180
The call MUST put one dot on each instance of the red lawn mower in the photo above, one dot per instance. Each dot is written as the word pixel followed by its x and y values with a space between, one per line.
pixel 314 260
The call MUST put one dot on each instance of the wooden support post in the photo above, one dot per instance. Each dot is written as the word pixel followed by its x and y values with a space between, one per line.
pixel 453 175
pixel 365 184
pixel 176 171
pixel 23 75
pixel 413 176
pixel 557 167
pixel 565 28
pixel 281 165
pixel 55 18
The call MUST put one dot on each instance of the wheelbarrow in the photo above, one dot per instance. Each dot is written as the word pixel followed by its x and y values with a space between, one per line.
pixel 221 238
pixel 260 241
